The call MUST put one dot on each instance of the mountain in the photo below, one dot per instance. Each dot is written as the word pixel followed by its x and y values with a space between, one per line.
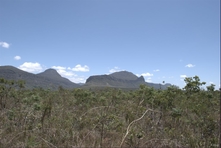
pixel 57 79
pixel 122 79
pixel 124 75
pixel 51 79
pixel 47 79
pixel 158 86
pixel 50 73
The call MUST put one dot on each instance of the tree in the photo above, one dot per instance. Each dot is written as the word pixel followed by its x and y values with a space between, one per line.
pixel 193 84
pixel 211 88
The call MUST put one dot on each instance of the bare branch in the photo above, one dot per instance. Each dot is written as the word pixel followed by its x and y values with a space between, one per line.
pixel 128 128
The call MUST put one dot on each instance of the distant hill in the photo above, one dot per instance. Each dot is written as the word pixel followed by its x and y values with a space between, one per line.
pixel 47 79
pixel 158 86
pixel 50 73
pixel 122 79
pixel 124 75
pixel 51 79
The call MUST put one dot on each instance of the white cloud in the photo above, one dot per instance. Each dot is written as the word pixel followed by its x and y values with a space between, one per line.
pixel 63 71
pixel 78 79
pixel 69 74
pixel 58 67
pixel 138 75
pixel 149 79
pixel 147 74
pixel 211 82
pixel 115 69
pixel 17 58
pixel 190 65
pixel 156 70
pixel 78 67
pixel 4 44
pixel 31 67
pixel 182 77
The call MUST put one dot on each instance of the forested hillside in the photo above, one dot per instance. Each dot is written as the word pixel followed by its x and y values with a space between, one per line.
pixel 146 117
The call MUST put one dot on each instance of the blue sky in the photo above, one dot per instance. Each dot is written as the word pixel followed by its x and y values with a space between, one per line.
pixel 163 40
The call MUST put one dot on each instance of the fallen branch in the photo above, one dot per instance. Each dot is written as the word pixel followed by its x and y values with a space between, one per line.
pixel 128 128
pixel 50 144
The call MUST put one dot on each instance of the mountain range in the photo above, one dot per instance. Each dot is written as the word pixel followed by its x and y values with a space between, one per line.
pixel 47 79
pixel 51 79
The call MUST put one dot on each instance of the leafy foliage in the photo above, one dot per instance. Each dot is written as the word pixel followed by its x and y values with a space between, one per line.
pixel 109 117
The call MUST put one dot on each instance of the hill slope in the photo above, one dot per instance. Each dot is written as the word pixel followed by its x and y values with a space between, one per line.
pixel 48 79
pixel 52 80
pixel 124 75
pixel 122 79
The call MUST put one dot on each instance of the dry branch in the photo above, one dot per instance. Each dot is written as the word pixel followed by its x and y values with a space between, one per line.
pixel 128 128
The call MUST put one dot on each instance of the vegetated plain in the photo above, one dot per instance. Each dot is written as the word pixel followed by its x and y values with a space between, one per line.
pixel 109 117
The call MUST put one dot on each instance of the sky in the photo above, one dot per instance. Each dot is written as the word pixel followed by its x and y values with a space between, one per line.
pixel 162 40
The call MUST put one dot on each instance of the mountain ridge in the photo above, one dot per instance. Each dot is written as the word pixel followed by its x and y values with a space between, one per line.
pixel 124 75
pixel 122 79
pixel 51 79
pixel 44 79
pixel 49 72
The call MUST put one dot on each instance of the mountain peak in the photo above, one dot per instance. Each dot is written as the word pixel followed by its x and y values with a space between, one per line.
pixel 50 78
pixel 50 73
pixel 50 70
pixel 124 75
pixel 121 79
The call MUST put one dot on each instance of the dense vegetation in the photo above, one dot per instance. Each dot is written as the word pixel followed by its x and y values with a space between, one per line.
pixel 187 117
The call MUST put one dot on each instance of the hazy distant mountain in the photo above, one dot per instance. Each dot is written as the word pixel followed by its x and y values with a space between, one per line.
pixel 51 79
pixel 124 75
pixel 111 81
pixel 80 84
pixel 57 79
pixel 158 86
pixel 122 79
pixel 50 73
pixel 47 79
